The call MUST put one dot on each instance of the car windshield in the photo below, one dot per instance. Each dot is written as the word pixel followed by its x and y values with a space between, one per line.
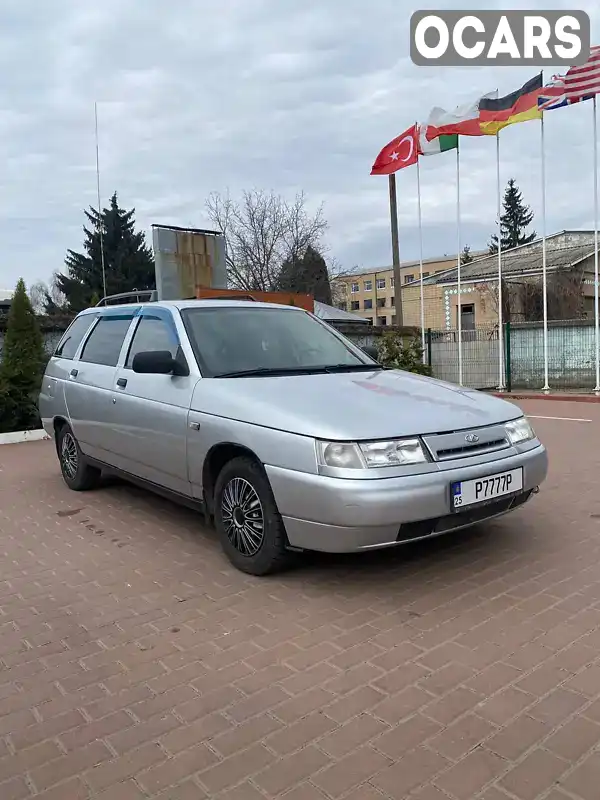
pixel 231 341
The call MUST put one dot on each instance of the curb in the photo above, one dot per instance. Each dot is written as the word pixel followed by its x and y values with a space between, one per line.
pixel 17 437
pixel 566 398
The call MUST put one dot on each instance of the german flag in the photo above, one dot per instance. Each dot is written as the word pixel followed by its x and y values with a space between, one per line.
pixel 518 106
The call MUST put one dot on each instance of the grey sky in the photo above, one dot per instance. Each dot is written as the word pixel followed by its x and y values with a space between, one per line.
pixel 209 95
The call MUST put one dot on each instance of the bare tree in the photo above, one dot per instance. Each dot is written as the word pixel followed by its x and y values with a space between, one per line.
pixel 522 300
pixel 263 230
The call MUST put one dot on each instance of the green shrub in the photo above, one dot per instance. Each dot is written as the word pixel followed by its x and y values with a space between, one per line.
pixel 21 369
pixel 397 353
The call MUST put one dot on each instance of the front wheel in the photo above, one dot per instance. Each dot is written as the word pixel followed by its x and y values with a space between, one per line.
pixel 77 474
pixel 247 520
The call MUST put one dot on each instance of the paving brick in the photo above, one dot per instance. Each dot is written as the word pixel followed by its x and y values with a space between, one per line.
pixel 74 789
pixel 358 731
pixel 514 739
pixel 416 769
pixel 70 765
pixel 399 706
pixel 583 782
pixel 462 736
pixel 574 739
pixel 15 789
pixel 557 706
pixel 143 732
pixel 503 706
pixel 177 768
pixel 471 774
pixel 292 769
pixel 25 760
pixel 235 769
pixel 248 733
pixel 407 735
pixel 535 774
pixel 124 767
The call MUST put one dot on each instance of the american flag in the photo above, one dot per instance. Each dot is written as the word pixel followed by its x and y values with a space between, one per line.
pixel 583 82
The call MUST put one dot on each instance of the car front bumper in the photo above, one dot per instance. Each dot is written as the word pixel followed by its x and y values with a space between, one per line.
pixel 340 516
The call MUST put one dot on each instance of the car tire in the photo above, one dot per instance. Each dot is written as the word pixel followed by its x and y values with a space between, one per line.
pixel 77 473
pixel 247 520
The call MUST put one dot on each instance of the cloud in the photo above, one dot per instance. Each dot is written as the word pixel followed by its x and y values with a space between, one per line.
pixel 206 95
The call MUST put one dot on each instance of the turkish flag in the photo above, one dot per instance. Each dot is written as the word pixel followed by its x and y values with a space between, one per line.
pixel 401 152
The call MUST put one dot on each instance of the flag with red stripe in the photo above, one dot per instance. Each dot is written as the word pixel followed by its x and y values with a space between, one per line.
pixel 581 82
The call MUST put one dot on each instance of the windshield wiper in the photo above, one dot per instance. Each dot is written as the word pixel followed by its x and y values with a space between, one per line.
pixel 281 371
pixel 352 368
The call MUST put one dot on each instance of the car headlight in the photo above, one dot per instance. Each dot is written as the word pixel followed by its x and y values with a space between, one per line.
pixel 370 455
pixel 519 431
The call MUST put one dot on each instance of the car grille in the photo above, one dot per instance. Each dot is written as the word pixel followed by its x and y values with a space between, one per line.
pixel 449 522
pixel 456 444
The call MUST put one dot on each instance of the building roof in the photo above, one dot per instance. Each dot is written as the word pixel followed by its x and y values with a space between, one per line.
pixel 331 314
pixel 563 250
pixel 405 264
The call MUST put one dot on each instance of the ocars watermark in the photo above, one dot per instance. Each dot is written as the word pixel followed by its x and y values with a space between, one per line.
pixel 502 38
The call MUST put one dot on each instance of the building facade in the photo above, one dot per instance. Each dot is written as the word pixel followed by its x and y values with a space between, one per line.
pixel 372 294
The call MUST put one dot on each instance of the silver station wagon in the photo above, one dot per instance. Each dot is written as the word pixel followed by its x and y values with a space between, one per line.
pixel 286 434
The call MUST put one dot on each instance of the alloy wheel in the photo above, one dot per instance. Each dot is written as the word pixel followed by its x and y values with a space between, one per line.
pixel 242 516
pixel 68 455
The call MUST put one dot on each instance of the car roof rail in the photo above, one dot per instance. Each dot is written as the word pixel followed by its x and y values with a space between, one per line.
pixel 136 296
pixel 225 297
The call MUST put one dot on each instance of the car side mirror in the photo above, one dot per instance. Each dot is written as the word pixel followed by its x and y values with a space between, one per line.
pixel 157 362
pixel 371 351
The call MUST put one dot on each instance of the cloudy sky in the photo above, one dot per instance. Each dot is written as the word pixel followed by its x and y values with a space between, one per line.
pixel 214 95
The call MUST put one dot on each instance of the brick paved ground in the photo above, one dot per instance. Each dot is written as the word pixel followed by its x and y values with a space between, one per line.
pixel 135 663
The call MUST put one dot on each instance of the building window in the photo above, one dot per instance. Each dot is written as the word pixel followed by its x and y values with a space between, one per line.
pixel 381 302
pixel 382 320
pixel 354 287
pixel 368 286
pixel 393 322
pixel 425 274
pixel 467 317
pixel 409 278
pixel 391 283
pixel 380 283
pixel 354 305
pixel 392 301
pixel 368 303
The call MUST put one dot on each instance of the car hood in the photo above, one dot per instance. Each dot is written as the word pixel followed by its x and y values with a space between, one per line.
pixel 351 405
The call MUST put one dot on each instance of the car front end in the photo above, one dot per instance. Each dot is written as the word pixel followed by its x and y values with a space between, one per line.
pixel 372 494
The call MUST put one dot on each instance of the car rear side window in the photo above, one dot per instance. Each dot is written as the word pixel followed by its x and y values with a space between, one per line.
pixel 67 347
pixel 152 333
pixel 105 341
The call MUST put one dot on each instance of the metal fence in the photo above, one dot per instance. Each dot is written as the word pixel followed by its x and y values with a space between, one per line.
pixel 571 354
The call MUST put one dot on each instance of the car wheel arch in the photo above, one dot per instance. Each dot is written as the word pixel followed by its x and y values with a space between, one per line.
pixel 217 457
pixel 58 423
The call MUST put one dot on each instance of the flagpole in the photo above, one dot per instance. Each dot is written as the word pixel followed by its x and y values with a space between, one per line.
pixel 500 299
pixel 458 263
pixel 596 299
pixel 101 221
pixel 421 259
pixel 395 251
pixel 546 387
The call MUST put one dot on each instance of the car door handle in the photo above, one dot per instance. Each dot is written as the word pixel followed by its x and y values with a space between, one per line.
pixel 74 373
pixel 122 382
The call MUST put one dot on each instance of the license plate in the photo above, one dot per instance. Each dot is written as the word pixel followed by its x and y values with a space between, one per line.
pixel 480 490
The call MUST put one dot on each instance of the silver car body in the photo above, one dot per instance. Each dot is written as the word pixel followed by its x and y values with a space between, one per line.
pixel 163 429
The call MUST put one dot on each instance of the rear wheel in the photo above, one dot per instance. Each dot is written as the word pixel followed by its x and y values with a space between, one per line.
pixel 77 473
pixel 249 525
